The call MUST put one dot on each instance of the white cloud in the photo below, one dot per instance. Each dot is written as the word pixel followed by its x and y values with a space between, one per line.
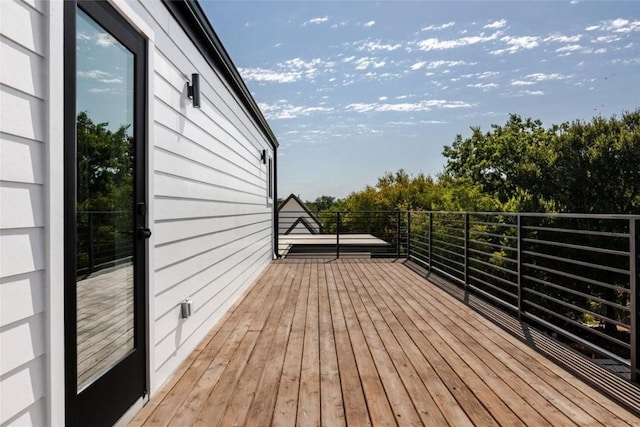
pixel 111 81
pixel 283 110
pixel 484 86
pixel 533 92
pixel 483 75
pixel 373 46
pixel 418 65
pixel 516 44
pixel 432 65
pixel 382 98
pixel 542 77
pixel 425 105
pixel 99 90
pixel 288 71
pixel 559 38
pixel 496 24
pixel 100 76
pixel 317 20
pixel 277 45
pixel 93 74
pixel 100 39
pixel 369 24
pixel 437 44
pixel 606 39
pixel 438 64
pixel 105 40
pixel 601 50
pixel 438 27
pixel 522 83
pixel 366 62
pixel 619 25
pixel 569 48
pixel 264 75
pixel 627 61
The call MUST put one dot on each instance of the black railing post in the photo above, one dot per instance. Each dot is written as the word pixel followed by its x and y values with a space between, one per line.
pixel 91 254
pixel 430 237
pixel 466 250
pixel 634 267
pixel 519 255
pixel 337 235
pixel 408 234
pixel 397 234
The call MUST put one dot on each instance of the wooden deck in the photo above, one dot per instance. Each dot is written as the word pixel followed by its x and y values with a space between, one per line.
pixel 363 342
pixel 105 321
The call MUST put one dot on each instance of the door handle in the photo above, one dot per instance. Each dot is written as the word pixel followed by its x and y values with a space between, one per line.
pixel 144 232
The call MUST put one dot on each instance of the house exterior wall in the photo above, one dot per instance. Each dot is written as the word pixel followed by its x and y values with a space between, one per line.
pixel 23 296
pixel 209 210
pixel 212 220
pixel 289 213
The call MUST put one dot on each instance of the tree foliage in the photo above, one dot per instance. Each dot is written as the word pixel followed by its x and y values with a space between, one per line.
pixel 581 167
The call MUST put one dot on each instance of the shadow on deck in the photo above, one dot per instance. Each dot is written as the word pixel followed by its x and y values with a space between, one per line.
pixel 362 342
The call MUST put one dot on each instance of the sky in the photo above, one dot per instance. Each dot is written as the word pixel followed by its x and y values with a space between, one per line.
pixel 355 89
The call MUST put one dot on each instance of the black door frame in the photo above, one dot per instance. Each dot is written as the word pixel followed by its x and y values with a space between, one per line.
pixel 129 377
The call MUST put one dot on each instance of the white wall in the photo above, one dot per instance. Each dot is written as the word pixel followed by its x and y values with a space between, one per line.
pixel 211 220
pixel 23 328
pixel 212 224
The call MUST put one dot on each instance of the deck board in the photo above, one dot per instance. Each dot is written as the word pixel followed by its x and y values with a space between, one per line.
pixel 360 342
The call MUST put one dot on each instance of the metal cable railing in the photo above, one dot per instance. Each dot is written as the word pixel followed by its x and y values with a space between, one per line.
pixel 573 275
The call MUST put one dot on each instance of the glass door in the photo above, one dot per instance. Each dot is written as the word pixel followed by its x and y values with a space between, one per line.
pixel 109 223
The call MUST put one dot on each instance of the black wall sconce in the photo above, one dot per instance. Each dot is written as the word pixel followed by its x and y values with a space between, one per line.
pixel 193 90
pixel 263 157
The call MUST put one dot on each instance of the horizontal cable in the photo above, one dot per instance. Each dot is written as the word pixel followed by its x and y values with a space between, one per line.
pixel 494 298
pixel 436 254
pixel 494 287
pixel 576 262
pixel 492 224
pixel 506 270
pixel 490 254
pixel 500 279
pixel 495 245
pixel 578 293
pixel 573 231
pixel 578 247
pixel 574 307
pixel 576 338
pixel 579 325
pixel 575 276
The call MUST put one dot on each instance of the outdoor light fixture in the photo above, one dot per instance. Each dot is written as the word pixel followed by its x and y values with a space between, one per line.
pixel 193 90
pixel 263 157
pixel 185 308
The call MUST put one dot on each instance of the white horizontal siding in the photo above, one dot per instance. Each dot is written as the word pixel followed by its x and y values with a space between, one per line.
pixel 28 290
pixel 21 341
pixel 22 114
pixel 22 205
pixel 212 225
pixel 23 24
pixel 168 357
pixel 182 229
pixel 21 160
pixel 168 208
pixel 23 335
pixel 22 390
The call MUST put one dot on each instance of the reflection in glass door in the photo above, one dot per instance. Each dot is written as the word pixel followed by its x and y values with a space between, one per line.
pixel 105 215
pixel 104 205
